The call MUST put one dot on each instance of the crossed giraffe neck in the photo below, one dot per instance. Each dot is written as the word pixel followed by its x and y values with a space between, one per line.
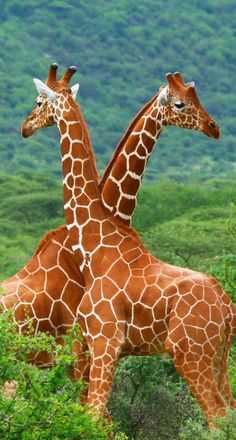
pixel 52 272
pixel 121 186
pixel 138 305
pixel 120 190
pixel 82 203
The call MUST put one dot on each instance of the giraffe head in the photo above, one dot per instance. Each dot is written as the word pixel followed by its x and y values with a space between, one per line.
pixel 51 101
pixel 181 107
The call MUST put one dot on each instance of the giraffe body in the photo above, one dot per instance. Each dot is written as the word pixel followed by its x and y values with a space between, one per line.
pixel 53 269
pixel 47 291
pixel 49 288
pixel 134 303
pixel 142 306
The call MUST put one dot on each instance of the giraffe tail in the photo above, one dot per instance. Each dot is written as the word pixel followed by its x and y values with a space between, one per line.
pixel 233 318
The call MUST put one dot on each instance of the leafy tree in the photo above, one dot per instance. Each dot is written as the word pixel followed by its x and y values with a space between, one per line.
pixel 149 400
pixel 188 242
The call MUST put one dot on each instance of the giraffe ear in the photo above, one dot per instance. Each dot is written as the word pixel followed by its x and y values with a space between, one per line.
pixel 74 90
pixel 44 90
pixel 190 84
pixel 163 96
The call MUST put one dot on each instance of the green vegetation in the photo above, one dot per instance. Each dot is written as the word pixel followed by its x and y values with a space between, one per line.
pixel 184 224
pixel 40 404
pixel 187 224
pixel 32 204
pixel 123 50
pixel 194 430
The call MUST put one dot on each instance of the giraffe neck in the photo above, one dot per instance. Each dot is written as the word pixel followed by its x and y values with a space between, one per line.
pixel 121 187
pixel 82 204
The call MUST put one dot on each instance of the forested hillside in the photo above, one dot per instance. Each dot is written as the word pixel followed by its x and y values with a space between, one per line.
pixel 180 223
pixel 123 50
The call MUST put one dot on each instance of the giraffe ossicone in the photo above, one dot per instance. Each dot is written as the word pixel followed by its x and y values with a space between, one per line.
pixel 133 302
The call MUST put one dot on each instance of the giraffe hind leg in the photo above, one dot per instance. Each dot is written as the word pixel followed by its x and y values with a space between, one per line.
pixel 195 363
pixel 200 378
pixel 221 370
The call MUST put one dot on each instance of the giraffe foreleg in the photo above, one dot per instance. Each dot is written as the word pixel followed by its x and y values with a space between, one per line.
pixel 104 360
pixel 80 370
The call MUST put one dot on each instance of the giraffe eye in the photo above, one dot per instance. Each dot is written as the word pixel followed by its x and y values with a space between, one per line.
pixel 38 102
pixel 179 105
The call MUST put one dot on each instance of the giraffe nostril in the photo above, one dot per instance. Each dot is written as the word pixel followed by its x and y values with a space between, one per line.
pixel 213 125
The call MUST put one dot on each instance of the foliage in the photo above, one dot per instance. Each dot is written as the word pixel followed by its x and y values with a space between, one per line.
pixel 188 242
pixel 226 429
pixel 232 368
pixel 32 205
pixel 185 224
pixel 149 400
pixel 44 404
pixel 223 268
pixel 123 51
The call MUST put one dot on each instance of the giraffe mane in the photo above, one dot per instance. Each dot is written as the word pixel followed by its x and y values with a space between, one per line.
pixel 129 230
pixel 88 143
pixel 123 141
pixel 53 233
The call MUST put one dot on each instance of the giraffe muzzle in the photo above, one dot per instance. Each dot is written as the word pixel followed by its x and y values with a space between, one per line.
pixel 211 129
pixel 26 131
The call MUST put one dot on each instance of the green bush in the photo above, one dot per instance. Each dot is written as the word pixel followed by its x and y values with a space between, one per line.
pixel 226 429
pixel 45 405
pixel 149 400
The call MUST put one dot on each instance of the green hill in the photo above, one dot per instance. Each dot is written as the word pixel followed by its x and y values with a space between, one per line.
pixel 123 50
pixel 180 223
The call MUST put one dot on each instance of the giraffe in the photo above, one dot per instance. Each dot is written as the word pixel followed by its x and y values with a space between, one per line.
pixel 133 302
pixel 50 286
pixel 48 289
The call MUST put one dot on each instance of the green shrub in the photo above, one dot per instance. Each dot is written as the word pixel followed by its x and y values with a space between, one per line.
pixel 226 429
pixel 45 404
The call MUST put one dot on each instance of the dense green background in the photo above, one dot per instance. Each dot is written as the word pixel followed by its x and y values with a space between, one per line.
pixel 123 50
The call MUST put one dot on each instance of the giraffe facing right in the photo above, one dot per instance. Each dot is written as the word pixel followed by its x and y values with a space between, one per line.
pixel 134 303
pixel 49 288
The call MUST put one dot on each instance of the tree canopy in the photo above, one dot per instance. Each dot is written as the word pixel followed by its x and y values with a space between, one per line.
pixel 123 51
